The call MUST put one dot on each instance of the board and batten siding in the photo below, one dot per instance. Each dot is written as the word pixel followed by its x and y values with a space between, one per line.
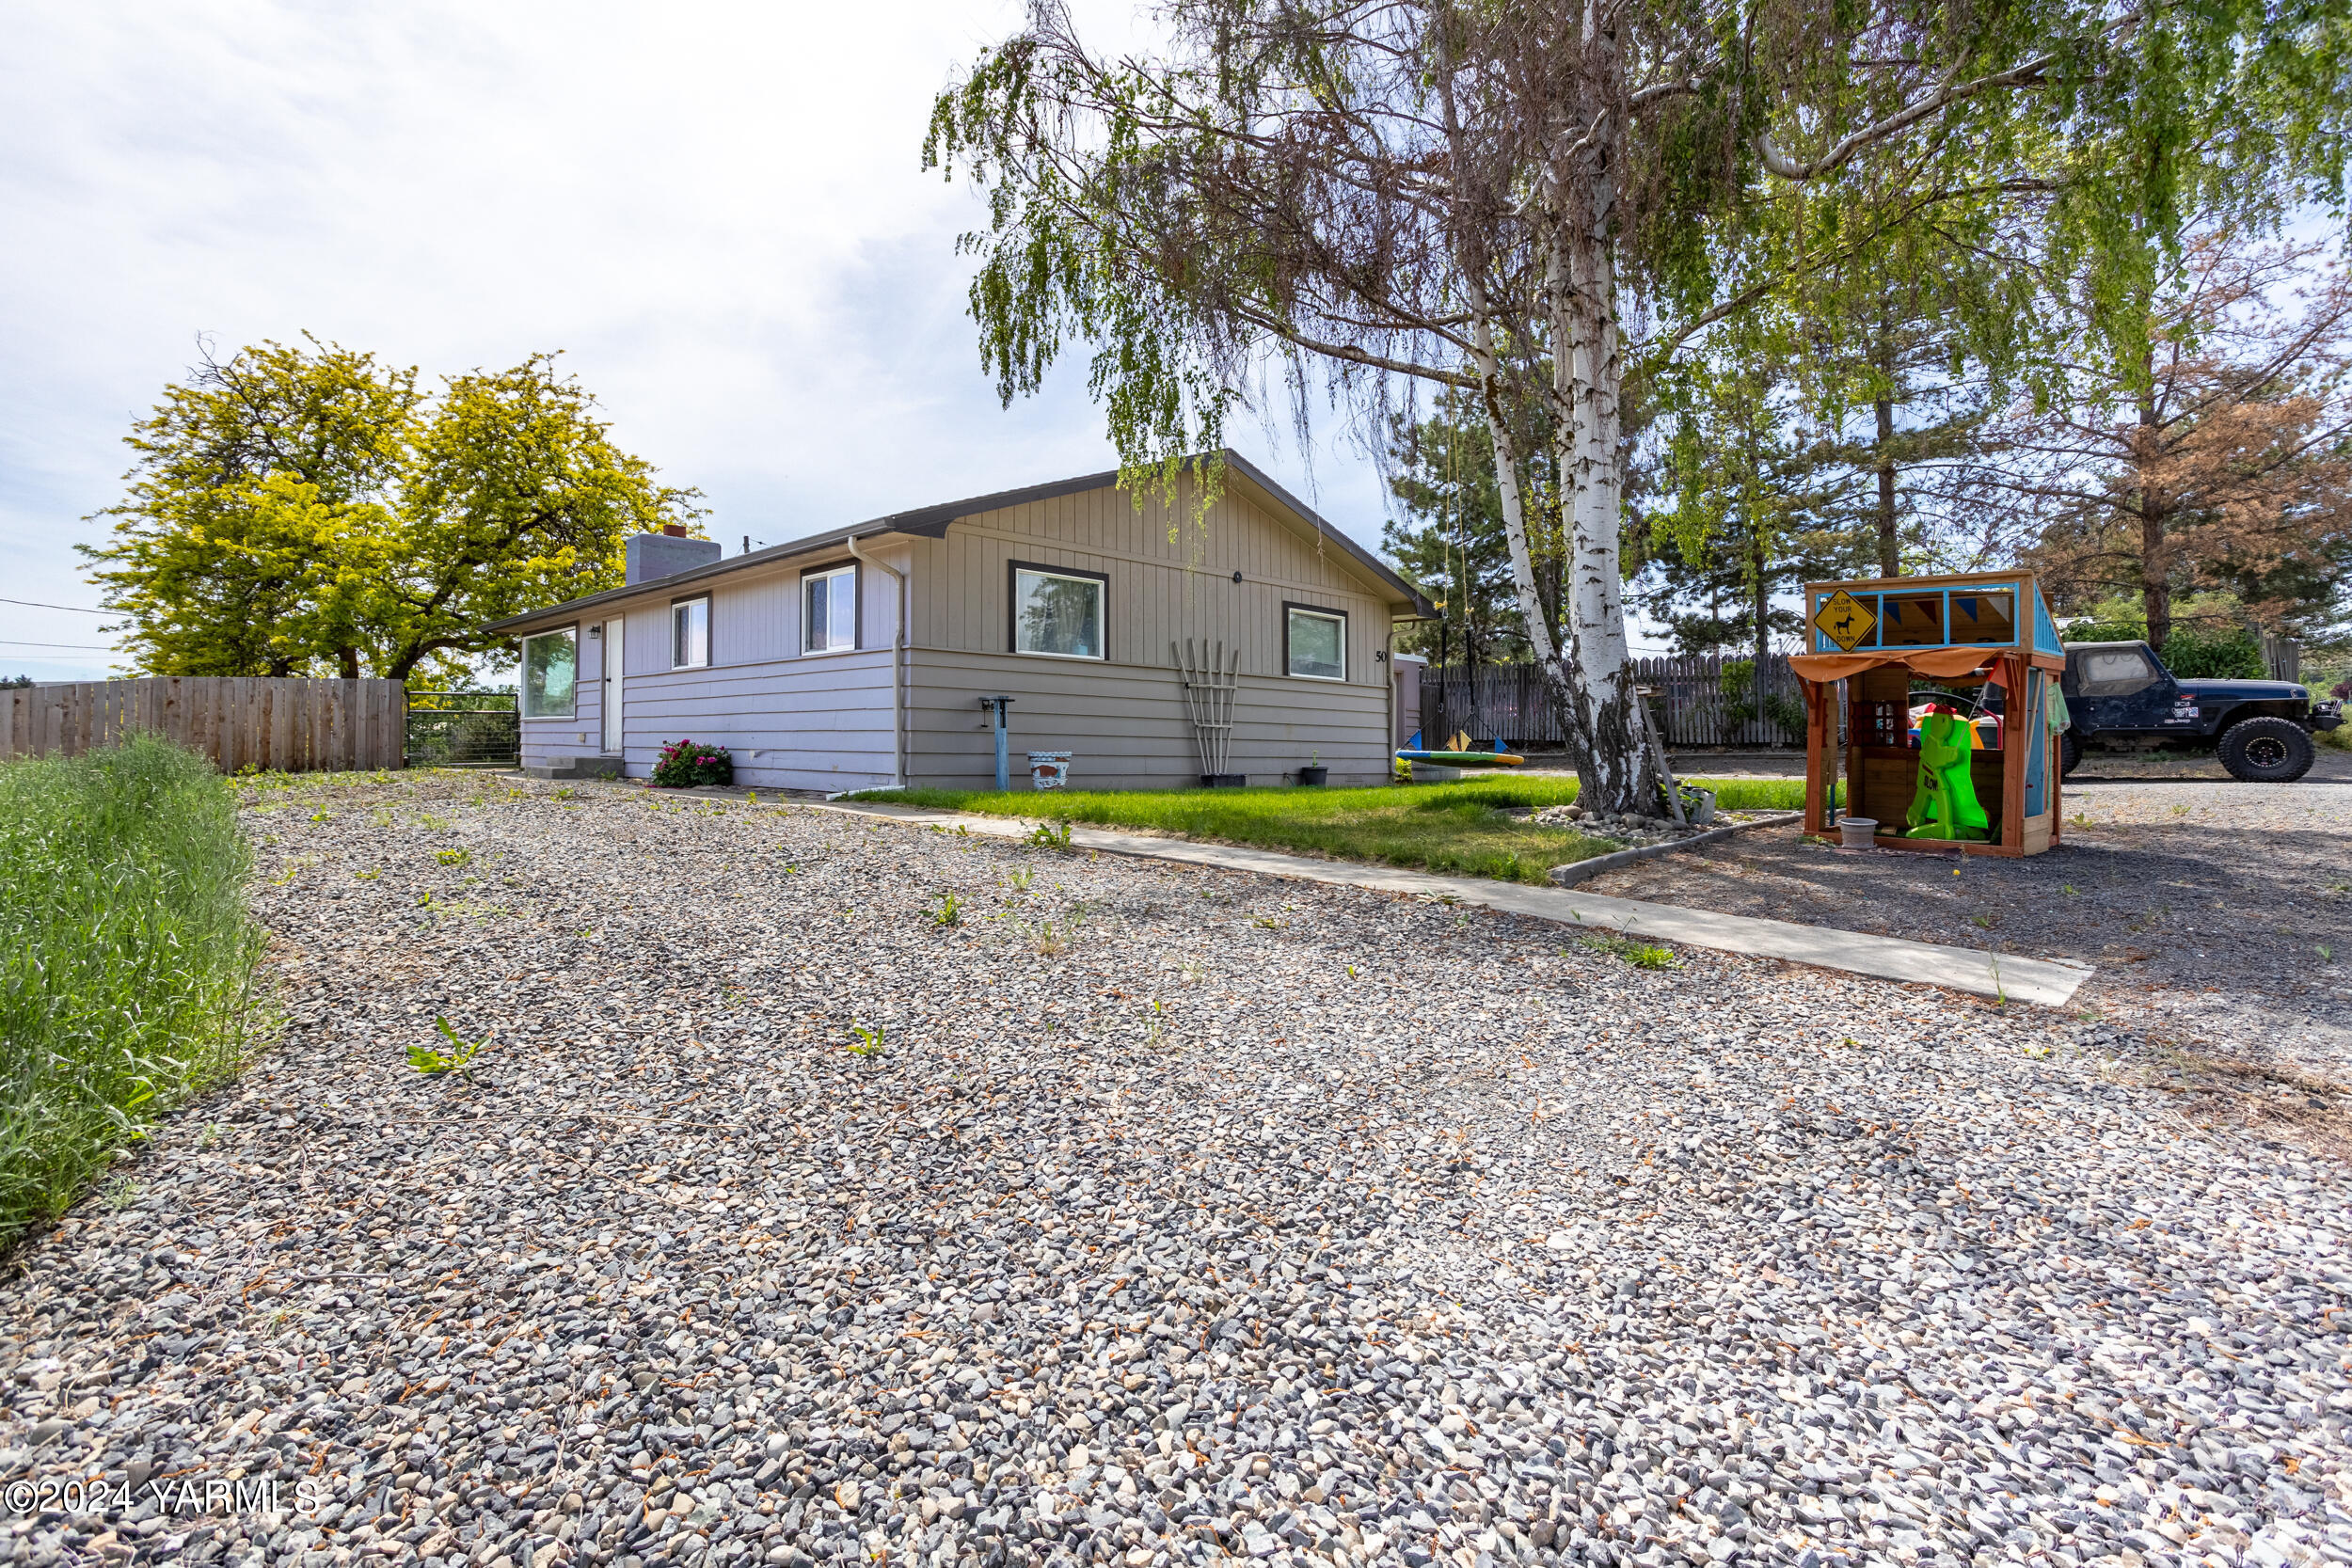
pixel 1124 717
pixel 1161 589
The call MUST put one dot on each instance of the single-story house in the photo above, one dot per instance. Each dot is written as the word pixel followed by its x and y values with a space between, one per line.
pixel 858 657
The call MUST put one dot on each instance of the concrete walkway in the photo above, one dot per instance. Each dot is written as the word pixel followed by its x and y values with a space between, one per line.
pixel 1985 973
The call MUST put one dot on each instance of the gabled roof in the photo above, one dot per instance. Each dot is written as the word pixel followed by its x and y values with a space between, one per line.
pixel 931 522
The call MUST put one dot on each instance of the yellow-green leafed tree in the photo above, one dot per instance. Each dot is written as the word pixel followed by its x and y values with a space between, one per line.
pixel 309 510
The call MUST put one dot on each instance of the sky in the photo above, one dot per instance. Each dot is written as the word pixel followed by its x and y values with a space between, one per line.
pixel 716 212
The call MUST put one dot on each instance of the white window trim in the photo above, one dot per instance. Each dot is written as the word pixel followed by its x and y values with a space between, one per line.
pixel 676 605
pixel 1340 616
pixel 522 674
pixel 857 610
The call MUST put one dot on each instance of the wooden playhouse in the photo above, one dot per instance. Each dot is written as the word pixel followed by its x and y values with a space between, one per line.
pixel 1877 638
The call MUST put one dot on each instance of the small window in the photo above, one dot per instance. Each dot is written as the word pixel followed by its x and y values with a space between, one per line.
pixel 1315 642
pixel 689 633
pixel 1057 612
pixel 551 673
pixel 829 610
pixel 1984 618
pixel 1912 621
pixel 2117 674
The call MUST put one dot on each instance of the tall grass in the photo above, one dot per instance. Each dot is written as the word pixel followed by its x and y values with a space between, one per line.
pixel 127 958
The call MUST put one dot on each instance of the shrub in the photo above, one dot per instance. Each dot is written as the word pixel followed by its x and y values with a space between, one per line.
pixel 127 957
pixel 2215 655
pixel 687 763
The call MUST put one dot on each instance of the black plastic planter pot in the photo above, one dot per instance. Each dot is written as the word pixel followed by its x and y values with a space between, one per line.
pixel 1313 775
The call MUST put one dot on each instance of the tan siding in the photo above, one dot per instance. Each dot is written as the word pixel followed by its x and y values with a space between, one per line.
pixel 1161 589
pixel 1128 724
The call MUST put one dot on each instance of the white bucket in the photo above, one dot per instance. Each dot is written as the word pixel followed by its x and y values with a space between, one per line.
pixel 1857 832
pixel 1049 769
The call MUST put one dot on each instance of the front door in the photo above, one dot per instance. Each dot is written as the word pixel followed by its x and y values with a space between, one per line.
pixel 612 688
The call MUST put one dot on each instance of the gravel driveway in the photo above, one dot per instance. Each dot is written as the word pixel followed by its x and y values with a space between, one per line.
pixel 1181 1216
pixel 2219 913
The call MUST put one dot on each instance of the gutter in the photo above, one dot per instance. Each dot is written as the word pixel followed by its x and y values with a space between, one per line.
pixel 898 663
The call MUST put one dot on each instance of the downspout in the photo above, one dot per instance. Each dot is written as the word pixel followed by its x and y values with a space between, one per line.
pixel 898 665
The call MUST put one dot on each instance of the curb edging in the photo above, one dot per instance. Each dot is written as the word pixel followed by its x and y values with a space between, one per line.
pixel 1577 871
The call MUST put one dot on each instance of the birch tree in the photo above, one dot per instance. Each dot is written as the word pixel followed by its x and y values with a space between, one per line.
pixel 1533 203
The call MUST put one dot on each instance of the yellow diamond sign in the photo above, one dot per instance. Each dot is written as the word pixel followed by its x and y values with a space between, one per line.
pixel 1844 620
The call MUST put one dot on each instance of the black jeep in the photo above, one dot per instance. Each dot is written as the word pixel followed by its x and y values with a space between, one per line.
pixel 2120 697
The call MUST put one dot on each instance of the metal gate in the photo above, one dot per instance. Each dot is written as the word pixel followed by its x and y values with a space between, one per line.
pixel 464 729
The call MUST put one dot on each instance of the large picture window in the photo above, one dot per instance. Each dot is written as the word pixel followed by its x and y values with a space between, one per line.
pixel 551 673
pixel 1315 642
pixel 689 633
pixel 1057 612
pixel 829 610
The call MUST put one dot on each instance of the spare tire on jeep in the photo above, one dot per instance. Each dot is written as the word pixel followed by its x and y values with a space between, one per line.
pixel 2266 750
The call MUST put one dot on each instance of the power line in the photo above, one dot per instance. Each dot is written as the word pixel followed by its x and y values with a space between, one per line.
pixel 75 608
pixel 83 647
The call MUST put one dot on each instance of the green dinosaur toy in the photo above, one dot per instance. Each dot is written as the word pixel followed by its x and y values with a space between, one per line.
pixel 1945 804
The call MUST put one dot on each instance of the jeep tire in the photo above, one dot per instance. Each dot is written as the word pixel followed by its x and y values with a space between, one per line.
pixel 2070 752
pixel 2266 750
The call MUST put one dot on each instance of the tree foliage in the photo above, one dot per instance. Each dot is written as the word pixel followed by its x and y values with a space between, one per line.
pixel 1533 203
pixel 2218 460
pixel 306 509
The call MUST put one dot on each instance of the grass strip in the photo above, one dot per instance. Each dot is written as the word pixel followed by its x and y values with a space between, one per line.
pixel 127 958
pixel 1452 828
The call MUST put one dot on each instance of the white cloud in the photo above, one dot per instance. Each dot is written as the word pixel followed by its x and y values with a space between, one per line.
pixel 716 211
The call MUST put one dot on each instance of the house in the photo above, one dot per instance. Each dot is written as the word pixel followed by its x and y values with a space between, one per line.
pixel 859 658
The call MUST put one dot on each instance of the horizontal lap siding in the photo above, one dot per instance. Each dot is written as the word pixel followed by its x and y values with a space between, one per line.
pixel 1128 724
pixel 818 724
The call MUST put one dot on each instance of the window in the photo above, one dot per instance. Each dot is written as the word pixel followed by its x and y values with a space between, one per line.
pixel 550 670
pixel 1984 618
pixel 829 610
pixel 1315 642
pixel 689 633
pixel 2115 673
pixel 1057 612
pixel 1912 621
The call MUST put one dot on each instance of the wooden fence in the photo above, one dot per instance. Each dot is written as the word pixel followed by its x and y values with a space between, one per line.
pixel 1509 702
pixel 286 723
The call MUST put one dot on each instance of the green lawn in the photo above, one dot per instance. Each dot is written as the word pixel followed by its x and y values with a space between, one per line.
pixel 1458 828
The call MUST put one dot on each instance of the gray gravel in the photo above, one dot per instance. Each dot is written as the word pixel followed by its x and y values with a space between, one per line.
pixel 2219 914
pixel 1181 1216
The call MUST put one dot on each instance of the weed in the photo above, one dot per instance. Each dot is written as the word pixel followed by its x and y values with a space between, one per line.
pixel 434 823
pixel 121 1192
pixel 1269 925
pixel 868 1041
pixel 2070 890
pixel 1981 921
pixel 318 816
pixel 1049 835
pixel 1640 955
pixel 424 900
pixel 368 876
pixel 1020 877
pixel 1155 1023
pixel 1193 971
pixel 568 793
pixel 2326 954
pixel 429 1059
pixel 454 857
pixel 2080 819
pixel 210 1138
pixel 950 910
